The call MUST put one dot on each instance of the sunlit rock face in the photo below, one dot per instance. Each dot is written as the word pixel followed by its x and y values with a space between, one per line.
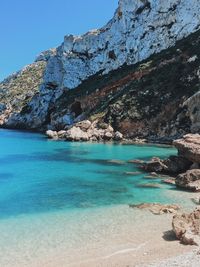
pixel 138 29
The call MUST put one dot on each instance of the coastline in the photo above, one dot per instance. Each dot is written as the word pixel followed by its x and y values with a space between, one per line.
pixel 108 236
pixel 114 235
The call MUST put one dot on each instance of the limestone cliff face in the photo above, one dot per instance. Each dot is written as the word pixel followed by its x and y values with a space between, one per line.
pixel 139 29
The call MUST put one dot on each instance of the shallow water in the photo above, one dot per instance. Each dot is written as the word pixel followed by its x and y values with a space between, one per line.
pixel 64 203
pixel 38 175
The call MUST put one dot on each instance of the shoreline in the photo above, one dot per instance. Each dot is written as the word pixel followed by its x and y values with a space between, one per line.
pixel 136 141
pixel 116 236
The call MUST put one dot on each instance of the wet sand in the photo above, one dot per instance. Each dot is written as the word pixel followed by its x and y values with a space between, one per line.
pixel 114 236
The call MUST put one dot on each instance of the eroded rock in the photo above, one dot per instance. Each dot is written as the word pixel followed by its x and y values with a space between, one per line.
pixel 189 180
pixel 187 227
pixel 52 134
pixel 76 134
pixel 189 147
pixel 85 131
pixel 172 165
pixel 84 125
pixel 157 208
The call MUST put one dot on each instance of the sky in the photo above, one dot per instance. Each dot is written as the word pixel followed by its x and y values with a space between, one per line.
pixel 28 27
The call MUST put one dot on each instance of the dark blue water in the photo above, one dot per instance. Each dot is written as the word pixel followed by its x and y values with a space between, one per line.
pixel 38 175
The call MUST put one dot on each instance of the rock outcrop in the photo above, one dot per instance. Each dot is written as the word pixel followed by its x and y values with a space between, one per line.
pixel 102 67
pixel 187 227
pixel 87 131
pixel 192 105
pixel 156 208
pixel 189 147
pixel 189 180
pixel 185 166
pixel 172 165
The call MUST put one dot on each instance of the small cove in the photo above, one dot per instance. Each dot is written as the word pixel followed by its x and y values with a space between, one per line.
pixel 38 175
pixel 66 204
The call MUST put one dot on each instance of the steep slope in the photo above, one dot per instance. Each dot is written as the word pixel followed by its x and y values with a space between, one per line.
pixel 155 99
pixel 108 82
pixel 19 88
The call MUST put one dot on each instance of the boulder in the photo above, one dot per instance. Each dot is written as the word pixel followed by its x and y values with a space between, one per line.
pixel 84 125
pixel 177 164
pixel 155 165
pixel 189 147
pixel 102 125
pixel 76 134
pixel 52 134
pixel 61 134
pixel 157 208
pixel 189 180
pixel 118 136
pixel 107 136
pixel 187 227
pixel 172 165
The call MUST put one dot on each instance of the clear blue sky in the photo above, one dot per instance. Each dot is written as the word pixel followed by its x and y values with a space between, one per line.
pixel 28 27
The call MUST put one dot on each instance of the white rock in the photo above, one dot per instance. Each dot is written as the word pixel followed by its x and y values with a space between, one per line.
pixel 61 134
pixel 84 125
pixel 108 136
pixel 137 30
pixel 52 134
pixel 76 134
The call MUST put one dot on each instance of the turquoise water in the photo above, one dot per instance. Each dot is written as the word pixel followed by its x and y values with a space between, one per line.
pixel 39 175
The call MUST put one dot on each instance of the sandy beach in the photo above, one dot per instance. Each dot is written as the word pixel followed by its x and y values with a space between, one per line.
pixel 116 236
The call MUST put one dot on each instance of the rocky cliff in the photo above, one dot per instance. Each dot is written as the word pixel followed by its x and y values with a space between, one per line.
pixel 138 73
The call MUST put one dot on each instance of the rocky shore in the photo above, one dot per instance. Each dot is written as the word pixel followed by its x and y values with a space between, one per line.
pixel 87 131
pixel 185 169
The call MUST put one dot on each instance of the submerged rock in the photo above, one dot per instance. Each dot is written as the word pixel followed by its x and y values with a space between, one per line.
pixel 136 161
pixel 132 173
pixel 149 185
pixel 187 227
pixel 157 208
pixel 169 181
pixel 189 180
pixel 116 162
pixel 151 177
